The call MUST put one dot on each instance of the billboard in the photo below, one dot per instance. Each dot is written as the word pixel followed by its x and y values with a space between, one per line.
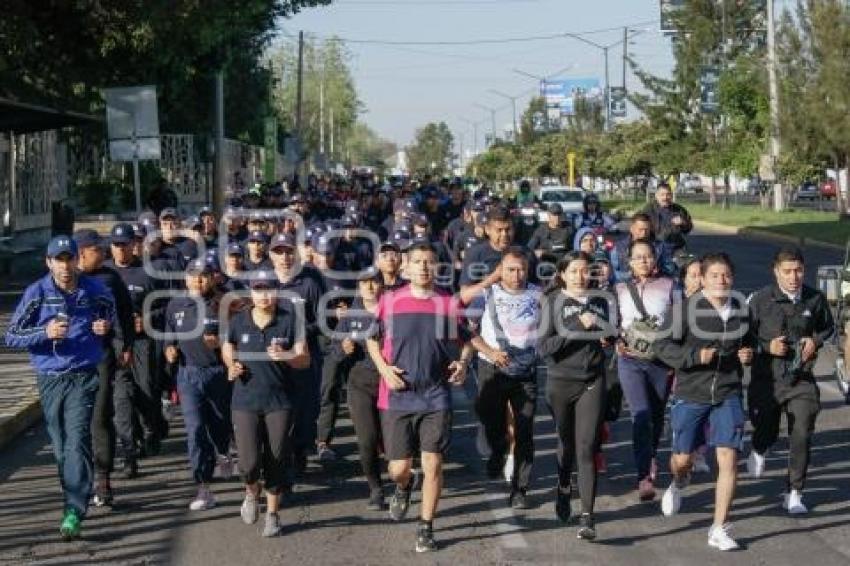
pixel 132 123
pixel 562 93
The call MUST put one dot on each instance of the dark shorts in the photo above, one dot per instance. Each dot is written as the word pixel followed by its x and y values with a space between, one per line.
pixel 725 424
pixel 404 432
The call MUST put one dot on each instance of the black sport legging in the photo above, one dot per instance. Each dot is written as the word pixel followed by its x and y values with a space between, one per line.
pixel 577 409
pixel 262 451
pixel 363 406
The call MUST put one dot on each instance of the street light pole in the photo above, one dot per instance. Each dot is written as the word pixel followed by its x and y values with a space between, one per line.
pixel 607 93
pixel 492 112
pixel 778 200
pixel 513 100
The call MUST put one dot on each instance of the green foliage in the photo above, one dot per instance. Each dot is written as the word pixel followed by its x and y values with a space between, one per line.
pixel 65 53
pixel 365 147
pixel 431 150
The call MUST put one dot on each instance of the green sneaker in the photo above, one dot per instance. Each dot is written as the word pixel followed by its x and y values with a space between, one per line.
pixel 71 525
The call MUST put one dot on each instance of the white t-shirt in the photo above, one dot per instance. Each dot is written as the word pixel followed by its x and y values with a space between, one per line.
pixel 518 314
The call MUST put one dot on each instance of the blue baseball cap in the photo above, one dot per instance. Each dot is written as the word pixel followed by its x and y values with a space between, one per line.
pixel 61 245
pixel 235 249
pixel 401 239
pixel 198 266
pixel 258 236
pixel 263 280
pixel 122 234
pixel 86 238
pixel 282 241
pixel 323 244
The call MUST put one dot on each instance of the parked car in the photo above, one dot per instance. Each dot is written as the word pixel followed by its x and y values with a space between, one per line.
pixel 570 199
pixel 828 189
pixel 692 184
pixel 807 191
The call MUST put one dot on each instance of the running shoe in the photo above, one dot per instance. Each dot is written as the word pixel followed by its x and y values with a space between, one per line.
pixel 755 464
pixel 103 496
pixel 376 500
pixel 425 540
pixel 719 537
pixel 793 503
pixel 250 509
pixel 204 500
pixel 272 527
pixel 400 501
pixel 71 525
pixel 586 527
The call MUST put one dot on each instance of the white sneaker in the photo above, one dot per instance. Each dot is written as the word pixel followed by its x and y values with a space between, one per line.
pixel 671 501
pixel 718 537
pixel 509 468
pixel 326 454
pixel 203 500
pixel 223 468
pixel 793 503
pixel 700 464
pixel 755 464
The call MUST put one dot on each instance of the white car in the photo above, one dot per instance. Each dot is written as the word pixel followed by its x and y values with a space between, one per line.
pixel 570 198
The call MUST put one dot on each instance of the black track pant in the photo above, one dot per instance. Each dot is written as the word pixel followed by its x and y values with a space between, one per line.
pixel 333 377
pixel 801 413
pixel 577 409
pixel 261 439
pixel 363 406
pixel 102 425
pixel 495 392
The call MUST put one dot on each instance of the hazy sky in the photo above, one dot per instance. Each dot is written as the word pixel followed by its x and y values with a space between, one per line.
pixel 405 86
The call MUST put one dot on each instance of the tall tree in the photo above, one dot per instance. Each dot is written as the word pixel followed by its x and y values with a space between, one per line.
pixel 431 150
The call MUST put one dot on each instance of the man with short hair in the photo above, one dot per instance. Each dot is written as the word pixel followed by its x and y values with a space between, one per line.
pixel 670 221
pixel 509 325
pixel 708 352
pixel 640 229
pixel 555 238
pixel 791 322
pixel 62 320
pixel 420 330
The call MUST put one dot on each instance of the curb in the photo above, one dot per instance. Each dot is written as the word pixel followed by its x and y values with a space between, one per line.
pixel 767 235
pixel 24 418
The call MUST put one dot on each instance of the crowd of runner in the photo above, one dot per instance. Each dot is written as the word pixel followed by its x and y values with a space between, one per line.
pixel 256 322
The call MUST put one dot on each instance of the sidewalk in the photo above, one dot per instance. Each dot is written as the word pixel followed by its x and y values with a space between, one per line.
pixel 19 404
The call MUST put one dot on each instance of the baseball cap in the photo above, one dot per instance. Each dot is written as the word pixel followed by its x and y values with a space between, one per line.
pixel 198 266
pixel 420 220
pixel 86 238
pixel 296 198
pixel 323 244
pixel 168 213
pixel 369 273
pixel 122 234
pixel 140 231
pixel 555 208
pixel 61 245
pixel 258 216
pixel 211 259
pixel 282 241
pixel 401 239
pixel 349 221
pixel 263 280
pixel 147 218
pixel 234 249
pixel 193 222
pixel 258 236
pixel 205 211
pixel 389 244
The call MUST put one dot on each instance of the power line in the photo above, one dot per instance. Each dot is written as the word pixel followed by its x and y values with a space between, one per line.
pixel 492 41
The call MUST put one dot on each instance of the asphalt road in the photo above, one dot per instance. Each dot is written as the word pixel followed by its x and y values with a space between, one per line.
pixel 326 521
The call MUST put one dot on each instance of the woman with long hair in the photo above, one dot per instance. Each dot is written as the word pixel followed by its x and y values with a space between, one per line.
pixel 575 328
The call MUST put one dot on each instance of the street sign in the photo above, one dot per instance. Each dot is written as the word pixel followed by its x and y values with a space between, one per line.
pixel 270 149
pixel 563 93
pixel 618 102
pixel 132 123
pixel 709 83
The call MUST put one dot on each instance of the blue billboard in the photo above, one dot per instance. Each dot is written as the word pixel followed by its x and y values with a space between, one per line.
pixel 562 93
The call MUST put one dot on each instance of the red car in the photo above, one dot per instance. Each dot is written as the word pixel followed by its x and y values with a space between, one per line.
pixel 828 189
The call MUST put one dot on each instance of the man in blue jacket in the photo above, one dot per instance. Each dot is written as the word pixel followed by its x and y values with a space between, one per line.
pixel 61 320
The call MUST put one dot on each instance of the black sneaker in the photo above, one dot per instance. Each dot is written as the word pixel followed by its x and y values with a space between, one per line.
pixel 130 469
pixel 519 499
pixel 376 500
pixel 586 527
pixel 562 504
pixel 425 540
pixel 400 501
pixel 102 494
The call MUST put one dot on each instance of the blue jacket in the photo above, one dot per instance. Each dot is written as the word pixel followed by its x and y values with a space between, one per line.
pixel 42 301
pixel 620 260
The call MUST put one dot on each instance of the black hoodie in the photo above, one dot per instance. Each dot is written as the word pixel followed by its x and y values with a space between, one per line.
pixel 571 352
pixel 684 336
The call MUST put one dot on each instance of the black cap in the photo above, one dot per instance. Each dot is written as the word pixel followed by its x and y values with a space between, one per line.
pixel 555 208
pixel 258 236
pixel 198 266
pixel 122 234
pixel 168 213
pixel 282 241
pixel 263 280
pixel 86 238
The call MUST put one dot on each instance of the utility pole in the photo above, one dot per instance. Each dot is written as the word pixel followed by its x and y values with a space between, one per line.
pixel 322 115
pixel 778 197
pixel 625 53
pixel 219 184
pixel 299 99
pixel 607 93
pixel 513 100
pixel 331 110
pixel 492 112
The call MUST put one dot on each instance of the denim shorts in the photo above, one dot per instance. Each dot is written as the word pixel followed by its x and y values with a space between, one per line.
pixel 725 420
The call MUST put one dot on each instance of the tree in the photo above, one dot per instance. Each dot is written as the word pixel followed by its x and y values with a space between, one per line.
pixel 431 150
pixel 326 74
pixel 527 133
pixel 65 54
pixel 365 147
